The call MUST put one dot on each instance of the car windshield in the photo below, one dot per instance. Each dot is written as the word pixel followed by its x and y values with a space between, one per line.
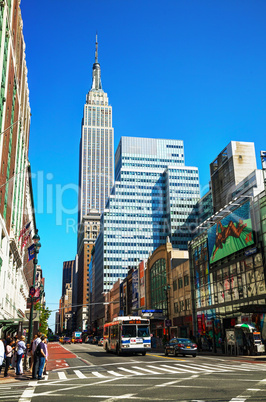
pixel 143 331
pixel 129 331
pixel 183 340
pixel 66 339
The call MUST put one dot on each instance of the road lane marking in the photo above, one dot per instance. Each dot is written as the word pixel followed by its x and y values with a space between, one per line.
pixel 144 369
pixel 180 369
pixel 61 375
pixel 163 369
pixel 166 384
pixel 79 374
pixel 166 357
pixel 27 394
pixel 129 371
pixel 115 373
pixel 196 367
pixel 97 374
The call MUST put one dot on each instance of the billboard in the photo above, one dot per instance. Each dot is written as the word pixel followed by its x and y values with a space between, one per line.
pixel 232 233
pixel 135 289
pixel 142 284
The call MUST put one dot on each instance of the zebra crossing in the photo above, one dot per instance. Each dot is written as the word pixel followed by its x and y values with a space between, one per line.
pixel 155 369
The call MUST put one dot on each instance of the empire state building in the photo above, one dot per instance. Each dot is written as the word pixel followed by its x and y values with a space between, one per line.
pixel 96 175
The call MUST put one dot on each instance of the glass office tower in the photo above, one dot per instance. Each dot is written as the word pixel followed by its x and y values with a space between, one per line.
pixel 153 197
pixel 96 147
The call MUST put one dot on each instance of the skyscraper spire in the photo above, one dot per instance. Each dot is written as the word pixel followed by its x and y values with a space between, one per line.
pixel 96 48
pixel 96 70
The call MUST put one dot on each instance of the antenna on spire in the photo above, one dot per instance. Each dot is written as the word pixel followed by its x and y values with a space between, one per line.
pixel 96 48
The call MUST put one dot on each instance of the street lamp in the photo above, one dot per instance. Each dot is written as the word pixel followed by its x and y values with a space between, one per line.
pixel 166 289
pixel 37 246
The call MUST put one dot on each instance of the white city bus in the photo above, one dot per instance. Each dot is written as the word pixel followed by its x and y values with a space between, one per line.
pixel 127 335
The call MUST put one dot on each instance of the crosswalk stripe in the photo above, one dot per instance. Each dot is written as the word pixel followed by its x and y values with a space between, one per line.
pixel 164 369
pixel 233 367
pixel 181 369
pixel 62 375
pixel 194 366
pixel 130 371
pixel 79 374
pixel 214 368
pixel 144 369
pixel 114 373
pixel 97 374
pixel 206 367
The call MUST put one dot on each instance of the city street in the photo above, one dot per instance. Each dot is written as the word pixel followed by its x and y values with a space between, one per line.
pixel 89 373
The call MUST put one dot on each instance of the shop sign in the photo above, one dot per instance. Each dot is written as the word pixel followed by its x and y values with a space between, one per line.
pixel 245 318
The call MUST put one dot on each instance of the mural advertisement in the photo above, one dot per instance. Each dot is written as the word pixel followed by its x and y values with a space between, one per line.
pixel 232 233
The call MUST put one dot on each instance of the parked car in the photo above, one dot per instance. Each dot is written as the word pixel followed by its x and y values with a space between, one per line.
pixel 89 339
pixel 66 339
pixel 77 340
pixel 100 342
pixel 182 346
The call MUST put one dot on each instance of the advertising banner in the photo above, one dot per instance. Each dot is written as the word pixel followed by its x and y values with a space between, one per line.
pixel 232 233
pixel 135 289
pixel 142 283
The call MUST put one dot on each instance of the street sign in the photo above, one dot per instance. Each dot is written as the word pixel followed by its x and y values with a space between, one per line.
pixel 32 291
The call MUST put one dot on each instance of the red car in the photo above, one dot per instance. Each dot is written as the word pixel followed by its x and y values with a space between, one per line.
pixel 78 340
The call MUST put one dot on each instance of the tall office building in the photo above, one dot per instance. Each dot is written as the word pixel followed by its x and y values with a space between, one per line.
pixel 229 168
pixel 153 197
pixel 96 162
pixel 96 178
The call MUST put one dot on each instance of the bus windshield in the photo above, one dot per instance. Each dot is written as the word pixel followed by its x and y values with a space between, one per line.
pixel 129 331
pixel 143 331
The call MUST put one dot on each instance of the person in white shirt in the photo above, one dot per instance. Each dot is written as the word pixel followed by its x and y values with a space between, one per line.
pixel 2 353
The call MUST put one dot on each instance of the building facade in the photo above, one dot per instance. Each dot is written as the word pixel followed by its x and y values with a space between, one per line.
pixel 96 160
pixel 229 168
pixel 228 269
pixel 16 199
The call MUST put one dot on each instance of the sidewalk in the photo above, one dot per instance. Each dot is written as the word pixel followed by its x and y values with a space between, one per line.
pixel 56 359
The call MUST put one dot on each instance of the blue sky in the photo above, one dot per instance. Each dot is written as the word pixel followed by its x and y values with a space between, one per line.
pixel 181 69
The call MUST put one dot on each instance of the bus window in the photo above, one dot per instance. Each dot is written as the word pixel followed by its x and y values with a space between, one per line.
pixel 129 331
pixel 143 330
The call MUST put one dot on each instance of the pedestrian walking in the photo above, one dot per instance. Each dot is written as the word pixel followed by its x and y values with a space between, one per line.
pixel 21 349
pixel 2 354
pixel 46 356
pixel 40 351
pixel 9 354
pixel 35 367
pixel 32 353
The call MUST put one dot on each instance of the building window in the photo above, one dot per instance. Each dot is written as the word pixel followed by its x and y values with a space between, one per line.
pixel 187 304
pixel 175 285
pixel 175 308
pixel 180 283
pixel 186 280
pixel 181 304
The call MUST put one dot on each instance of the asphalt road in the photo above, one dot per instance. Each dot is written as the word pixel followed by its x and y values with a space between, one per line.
pixel 97 376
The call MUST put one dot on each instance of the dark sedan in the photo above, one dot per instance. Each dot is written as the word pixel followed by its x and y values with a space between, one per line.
pixel 181 346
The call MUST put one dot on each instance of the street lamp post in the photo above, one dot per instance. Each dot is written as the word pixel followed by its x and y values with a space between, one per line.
pixel 36 240
pixel 166 289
